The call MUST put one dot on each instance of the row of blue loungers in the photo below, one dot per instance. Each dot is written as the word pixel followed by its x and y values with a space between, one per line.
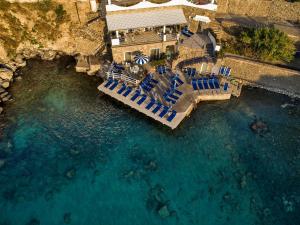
pixel 164 109
pixel 172 95
pixel 225 71
pixel 205 83
pixel 148 83
pixel 125 91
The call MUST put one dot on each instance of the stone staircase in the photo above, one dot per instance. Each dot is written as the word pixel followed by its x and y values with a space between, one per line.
pixel 216 29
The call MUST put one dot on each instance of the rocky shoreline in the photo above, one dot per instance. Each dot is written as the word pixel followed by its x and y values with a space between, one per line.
pixel 9 70
pixel 9 73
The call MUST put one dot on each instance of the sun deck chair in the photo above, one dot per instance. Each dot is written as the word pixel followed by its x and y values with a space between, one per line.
pixel 123 87
pixel 179 80
pixel 158 106
pixel 173 96
pixel 171 116
pixel 145 87
pixel 221 70
pixel 211 84
pixel 205 83
pixel 135 96
pixel 216 83
pixel 194 84
pixel 143 98
pixel 114 85
pixel 127 92
pixel 228 71
pixel 161 69
pixel 150 104
pixel 225 86
pixel 200 85
pixel 177 92
pixel 108 83
pixel 170 100
pixel 163 112
pixel 193 72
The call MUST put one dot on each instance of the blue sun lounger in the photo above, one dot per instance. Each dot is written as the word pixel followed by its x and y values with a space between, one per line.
pixel 108 83
pixel 205 83
pixel 172 116
pixel 179 80
pixel 155 110
pixel 122 89
pixel 200 85
pixel 161 69
pixel 178 92
pixel 143 98
pixel 135 96
pixel 222 70
pixel 228 71
pixel 173 96
pixel 145 87
pixel 150 104
pixel 170 100
pixel 194 84
pixel 211 84
pixel 127 92
pixel 115 84
pixel 216 83
pixel 154 81
pixel 225 86
pixel 163 112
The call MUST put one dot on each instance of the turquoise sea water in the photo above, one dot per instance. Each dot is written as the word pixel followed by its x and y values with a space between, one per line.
pixel 75 157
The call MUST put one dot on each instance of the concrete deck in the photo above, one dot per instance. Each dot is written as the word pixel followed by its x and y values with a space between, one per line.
pixel 184 105
pixel 141 108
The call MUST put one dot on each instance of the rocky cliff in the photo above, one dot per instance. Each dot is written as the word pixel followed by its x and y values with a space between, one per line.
pixel 47 29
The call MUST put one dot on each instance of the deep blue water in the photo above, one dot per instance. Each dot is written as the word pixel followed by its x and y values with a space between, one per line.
pixel 73 156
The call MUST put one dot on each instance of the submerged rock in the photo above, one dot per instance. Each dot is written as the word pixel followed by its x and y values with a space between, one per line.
pixel 1 109
pixel 2 163
pixel 164 211
pixel 70 173
pixel 67 218
pixel 259 127
pixel 33 221
pixel 74 151
pixel 243 182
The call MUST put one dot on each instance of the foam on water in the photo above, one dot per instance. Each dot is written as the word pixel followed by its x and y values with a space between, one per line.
pixel 75 157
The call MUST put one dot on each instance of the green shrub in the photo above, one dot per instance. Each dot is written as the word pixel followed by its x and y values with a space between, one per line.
pixel 267 44
pixel 60 13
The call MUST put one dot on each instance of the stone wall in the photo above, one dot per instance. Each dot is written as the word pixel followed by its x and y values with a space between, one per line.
pixel 271 77
pixel 275 9
pixel 118 52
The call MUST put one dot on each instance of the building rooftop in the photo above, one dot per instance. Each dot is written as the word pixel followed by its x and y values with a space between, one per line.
pixel 152 18
pixel 147 4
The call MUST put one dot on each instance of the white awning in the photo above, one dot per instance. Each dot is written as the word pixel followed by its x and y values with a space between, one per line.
pixel 151 18
pixel 204 19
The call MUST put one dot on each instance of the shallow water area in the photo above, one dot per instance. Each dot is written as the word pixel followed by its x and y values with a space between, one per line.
pixel 73 156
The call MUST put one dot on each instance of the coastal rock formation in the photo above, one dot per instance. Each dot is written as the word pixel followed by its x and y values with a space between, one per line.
pixel 2 163
pixel 259 127
pixel 67 218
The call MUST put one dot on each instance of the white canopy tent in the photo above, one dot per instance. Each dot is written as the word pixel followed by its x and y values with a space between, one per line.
pixel 151 18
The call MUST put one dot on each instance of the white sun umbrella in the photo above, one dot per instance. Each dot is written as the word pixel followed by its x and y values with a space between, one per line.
pixel 141 59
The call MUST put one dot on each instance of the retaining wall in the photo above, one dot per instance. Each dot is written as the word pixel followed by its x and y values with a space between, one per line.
pixel 272 77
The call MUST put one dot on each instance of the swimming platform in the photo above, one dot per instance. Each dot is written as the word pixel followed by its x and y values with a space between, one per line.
pixel 183 100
